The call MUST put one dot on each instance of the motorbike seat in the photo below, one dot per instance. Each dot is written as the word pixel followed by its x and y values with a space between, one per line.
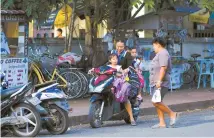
pixel 195 56
pixel 8 92
pixel 39 86
pixel 44 86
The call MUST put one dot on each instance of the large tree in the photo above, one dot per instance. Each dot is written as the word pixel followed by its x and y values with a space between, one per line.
pixel 97 11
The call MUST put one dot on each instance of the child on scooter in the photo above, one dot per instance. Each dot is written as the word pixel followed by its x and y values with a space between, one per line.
pixel 121 88
pixel 125 87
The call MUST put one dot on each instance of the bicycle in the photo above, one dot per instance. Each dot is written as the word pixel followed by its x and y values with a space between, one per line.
pixel 71 85
pixel 191 75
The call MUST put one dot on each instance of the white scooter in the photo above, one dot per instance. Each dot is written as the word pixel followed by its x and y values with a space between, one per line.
pixel 54 108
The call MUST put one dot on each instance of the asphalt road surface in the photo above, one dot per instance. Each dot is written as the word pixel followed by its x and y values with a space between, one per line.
pixel 198 123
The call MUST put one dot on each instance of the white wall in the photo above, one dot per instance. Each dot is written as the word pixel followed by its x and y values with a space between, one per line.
pixel 195 48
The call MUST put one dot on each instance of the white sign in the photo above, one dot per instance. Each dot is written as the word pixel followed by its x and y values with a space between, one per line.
pixel 16 70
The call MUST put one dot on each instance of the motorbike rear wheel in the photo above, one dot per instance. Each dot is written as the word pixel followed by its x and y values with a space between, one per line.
pixel 94 119
pixel 60 118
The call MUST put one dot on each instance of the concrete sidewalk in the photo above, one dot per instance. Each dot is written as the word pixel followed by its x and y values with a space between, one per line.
pixel 179 100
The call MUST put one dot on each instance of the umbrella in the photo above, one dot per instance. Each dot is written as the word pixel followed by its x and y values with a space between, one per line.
pixel 61 20
pixel 201 16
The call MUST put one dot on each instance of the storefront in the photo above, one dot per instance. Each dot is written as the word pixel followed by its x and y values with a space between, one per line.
pixel 14 48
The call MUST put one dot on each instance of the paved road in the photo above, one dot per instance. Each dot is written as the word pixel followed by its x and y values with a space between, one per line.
pixel 195 124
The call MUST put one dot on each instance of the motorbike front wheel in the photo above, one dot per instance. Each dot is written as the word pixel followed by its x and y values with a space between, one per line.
pixel 60 122
pixel 33 121
pixel 94 119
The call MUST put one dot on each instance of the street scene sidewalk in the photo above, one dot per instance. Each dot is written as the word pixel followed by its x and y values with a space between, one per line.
pixel 178 100
pixel 59 52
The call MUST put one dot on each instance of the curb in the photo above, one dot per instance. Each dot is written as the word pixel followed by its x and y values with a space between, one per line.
pixel 83 119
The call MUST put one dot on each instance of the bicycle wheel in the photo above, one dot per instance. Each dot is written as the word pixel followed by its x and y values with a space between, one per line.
pixel 83 84
pixel 74 86
pixel 187 77
pixel 85 80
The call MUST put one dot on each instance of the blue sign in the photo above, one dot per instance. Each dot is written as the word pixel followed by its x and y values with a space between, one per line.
pixel 211 20
pixel 50 21
pixel 186 9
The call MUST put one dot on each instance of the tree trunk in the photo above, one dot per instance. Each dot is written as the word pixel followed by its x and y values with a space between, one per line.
pixel 66 18
pixel 72 25
pixel 88 35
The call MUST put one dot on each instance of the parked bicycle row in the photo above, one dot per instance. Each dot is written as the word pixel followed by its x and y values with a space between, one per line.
pixel 45 67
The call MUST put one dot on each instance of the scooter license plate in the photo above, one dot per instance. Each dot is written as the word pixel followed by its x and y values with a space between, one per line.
pixel 34 100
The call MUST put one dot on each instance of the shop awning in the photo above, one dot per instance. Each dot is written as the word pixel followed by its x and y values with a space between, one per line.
pixel 12 16
pixel 150 21
pixel 12 12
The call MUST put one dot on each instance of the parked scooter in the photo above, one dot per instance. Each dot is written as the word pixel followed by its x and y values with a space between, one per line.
pixel 103 105
pixel 54 108
pixel 18 113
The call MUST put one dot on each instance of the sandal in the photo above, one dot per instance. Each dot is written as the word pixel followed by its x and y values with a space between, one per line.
pixel 174 120
pixel 157 126
pixel 133 123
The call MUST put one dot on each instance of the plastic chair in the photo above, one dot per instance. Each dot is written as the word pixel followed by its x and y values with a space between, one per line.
pixel 171 83
pixel 206 69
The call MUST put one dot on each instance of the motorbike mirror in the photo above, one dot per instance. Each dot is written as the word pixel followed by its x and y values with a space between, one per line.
pixel 2 75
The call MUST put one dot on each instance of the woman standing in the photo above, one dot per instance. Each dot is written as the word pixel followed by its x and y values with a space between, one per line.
pixel 160 79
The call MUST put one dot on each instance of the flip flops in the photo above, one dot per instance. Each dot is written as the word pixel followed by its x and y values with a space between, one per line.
pixel 133 123
pixel 174 120
pixel 157 126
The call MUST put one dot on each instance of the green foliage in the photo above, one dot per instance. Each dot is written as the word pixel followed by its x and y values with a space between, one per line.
pixel 209 4
pixel 40 9
pixel 150 3
pixel 35 9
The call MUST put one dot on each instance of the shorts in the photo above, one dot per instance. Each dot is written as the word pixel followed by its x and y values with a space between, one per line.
pixel 164 90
